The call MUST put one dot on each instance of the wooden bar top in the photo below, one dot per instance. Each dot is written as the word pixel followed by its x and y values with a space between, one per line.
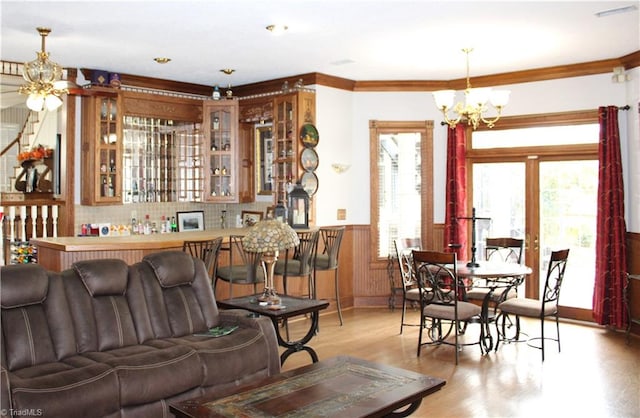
pixel 132 242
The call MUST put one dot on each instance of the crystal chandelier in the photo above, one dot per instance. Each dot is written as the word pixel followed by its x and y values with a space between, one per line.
pixel 475 103
pixel 44 87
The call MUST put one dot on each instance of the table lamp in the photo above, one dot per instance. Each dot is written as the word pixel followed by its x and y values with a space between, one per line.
pixel 269 237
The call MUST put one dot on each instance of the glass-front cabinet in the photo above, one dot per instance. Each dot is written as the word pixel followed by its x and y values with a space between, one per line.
pixel 101 151
pixel 291 112
pixel 220 122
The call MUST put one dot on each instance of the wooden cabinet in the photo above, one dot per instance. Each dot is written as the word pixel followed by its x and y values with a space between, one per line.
pixel 291 111
pixel 101 150
pixel 246 176
pixel 220 126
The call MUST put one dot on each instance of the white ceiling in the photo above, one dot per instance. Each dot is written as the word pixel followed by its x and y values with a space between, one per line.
pixel 356 39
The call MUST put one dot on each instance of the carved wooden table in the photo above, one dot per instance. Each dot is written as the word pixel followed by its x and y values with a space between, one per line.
pixel 338 387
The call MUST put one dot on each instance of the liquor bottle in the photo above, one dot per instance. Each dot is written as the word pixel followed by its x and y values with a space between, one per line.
pixel 168 226
pixel 147 225
pixel 134 227
pixel 174 225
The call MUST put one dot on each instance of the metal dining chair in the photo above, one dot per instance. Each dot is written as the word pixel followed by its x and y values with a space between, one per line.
pixel 206 250
pixel 444 310
pixel 503 250
pixel 410 291
pixel 542 308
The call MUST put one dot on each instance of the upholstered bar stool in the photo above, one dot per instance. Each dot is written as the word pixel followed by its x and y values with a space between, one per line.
pixel 328 260
pixel 207 251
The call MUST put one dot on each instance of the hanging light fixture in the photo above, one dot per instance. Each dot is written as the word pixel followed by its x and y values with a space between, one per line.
pixel 475 103
pixel 44 87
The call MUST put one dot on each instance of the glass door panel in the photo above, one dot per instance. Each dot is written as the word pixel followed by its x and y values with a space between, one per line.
pixel 499 194
pixel 568 208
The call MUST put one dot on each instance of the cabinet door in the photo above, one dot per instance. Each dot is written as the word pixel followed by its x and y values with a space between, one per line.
pixel 222 153
pixel 286 146
pixel 101 151
pixel 246 177
pixel 291 112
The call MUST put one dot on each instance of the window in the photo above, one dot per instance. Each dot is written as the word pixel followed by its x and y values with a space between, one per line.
pixel 401 183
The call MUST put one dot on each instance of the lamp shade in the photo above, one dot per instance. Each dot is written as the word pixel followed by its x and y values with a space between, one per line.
pixel 444 98
pixel 270 235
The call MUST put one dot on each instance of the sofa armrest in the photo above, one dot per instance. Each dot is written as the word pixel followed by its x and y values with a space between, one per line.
pixel 245 319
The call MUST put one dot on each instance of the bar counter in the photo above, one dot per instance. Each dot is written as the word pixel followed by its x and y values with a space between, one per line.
pixel 57 254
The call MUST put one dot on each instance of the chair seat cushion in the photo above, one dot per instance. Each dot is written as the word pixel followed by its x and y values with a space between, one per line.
pixel 148 374
pixel 466 310
pixel 294 267
pixel 48 387
pixel 322 262
pixel 480 293
pixel 237 274
pixel 412 294
pixel 526 307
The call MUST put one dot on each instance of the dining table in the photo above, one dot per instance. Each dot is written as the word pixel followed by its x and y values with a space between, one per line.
pixel 493 276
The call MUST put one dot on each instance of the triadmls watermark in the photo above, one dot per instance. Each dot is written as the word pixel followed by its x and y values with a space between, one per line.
pixel 25 412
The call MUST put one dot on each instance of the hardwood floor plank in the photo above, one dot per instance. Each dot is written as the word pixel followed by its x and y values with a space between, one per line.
pixel 596 375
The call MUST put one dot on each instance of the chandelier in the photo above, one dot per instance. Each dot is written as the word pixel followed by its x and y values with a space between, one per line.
pixel 44 87
pixel 475 103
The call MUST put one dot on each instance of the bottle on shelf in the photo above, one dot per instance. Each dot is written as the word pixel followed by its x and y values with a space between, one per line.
pixel 168 226
pixel 174 225
pixel 147 225
pixel 134 226
pixel 223 220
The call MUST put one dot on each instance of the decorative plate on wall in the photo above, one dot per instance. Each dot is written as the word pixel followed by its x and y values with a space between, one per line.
pixel 309 159
pixel 309 182
pixel 309 135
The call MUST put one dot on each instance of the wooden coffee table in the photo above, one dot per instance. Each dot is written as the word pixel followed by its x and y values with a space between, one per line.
pixel 292 306
pixel 338 387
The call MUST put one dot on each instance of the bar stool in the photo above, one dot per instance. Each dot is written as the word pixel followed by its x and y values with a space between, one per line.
pixel 328 260
pixel 248 271
pixel 207 251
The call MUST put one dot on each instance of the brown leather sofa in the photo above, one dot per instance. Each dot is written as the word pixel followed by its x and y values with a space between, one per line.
pixel 105 339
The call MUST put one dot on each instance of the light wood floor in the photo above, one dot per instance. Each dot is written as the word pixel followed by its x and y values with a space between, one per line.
pixel 597 374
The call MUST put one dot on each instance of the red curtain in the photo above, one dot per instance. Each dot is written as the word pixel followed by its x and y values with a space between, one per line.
pixel 611 262
pixel 455 231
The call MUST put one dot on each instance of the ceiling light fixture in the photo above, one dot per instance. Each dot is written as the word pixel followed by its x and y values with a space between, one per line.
pixel 44 86
pixel 277 29
pixel 475 103
pixel 228 71
pixel 162 60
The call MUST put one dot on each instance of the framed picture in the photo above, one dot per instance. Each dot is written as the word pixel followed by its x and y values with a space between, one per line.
pixel 190 221
pixel 270 212
pixel 250 218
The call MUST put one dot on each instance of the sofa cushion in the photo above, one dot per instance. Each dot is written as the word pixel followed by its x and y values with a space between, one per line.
pixel 227 359
pixel 35 321
pixel 104 277
pixel 59 389
pixel 148 374
pixel 172 268
pixel 18 291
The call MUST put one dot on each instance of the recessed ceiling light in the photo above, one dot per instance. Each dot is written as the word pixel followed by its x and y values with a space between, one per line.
pixel 227 71
pixel 277 29
pixel 162 60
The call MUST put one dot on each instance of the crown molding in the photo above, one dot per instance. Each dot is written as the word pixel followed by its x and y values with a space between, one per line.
pixel 516 77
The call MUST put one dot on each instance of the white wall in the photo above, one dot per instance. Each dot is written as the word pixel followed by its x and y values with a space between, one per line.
pixel 631 158
pixel 343 125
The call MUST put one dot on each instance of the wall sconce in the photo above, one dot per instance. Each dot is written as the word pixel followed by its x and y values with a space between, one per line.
pixel 340 168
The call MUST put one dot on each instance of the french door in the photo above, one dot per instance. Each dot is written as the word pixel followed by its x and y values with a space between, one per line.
pixel 546 195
